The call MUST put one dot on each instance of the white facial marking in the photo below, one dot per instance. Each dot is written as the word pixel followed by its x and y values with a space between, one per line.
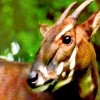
pixel 70 76
pixel 43 70
pixel 71 62
pixel 59 69
pixel 71 73
pixel 40 80
pixel 66 29
pixel 68 80
pixel 65 81
pixel 73 58
pixel 63 74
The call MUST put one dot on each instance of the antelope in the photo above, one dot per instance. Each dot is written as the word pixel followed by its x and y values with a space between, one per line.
pixel 65 65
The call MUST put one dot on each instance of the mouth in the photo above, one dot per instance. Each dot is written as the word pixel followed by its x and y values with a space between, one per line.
pixel 47 86
pixel 53 84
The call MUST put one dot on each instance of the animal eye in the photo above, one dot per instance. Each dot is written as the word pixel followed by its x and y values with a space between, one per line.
pixel 67 39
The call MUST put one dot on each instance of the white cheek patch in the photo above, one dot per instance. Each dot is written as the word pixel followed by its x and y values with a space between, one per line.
pixel 59 69
pixel 66 29
pixel 71 73
pixel 73 58
pixel 63 74
pixel 65 81
pixel 43 70
pixel 40 80
pixel 71 63
pixel 70 77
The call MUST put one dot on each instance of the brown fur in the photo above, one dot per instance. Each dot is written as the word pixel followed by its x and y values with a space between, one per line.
pixel 13 84
pixel 13 75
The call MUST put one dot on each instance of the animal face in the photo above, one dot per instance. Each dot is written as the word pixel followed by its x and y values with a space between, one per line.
pixel 64 50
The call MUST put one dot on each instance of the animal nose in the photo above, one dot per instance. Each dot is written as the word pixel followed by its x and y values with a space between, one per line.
pixel 32 79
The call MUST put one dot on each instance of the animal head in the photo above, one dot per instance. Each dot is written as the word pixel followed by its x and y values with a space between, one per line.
pixel 65 49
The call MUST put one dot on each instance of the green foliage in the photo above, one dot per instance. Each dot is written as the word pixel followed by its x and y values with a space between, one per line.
pixel 20 20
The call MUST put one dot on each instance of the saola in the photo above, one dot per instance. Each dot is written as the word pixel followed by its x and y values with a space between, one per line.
pixel 65 65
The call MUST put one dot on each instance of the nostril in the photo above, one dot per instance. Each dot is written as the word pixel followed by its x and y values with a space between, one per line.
pixel 32 79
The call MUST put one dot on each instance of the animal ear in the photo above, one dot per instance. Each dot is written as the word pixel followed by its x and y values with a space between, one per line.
pixel 44 29
pixel 92 24
pixel 96 23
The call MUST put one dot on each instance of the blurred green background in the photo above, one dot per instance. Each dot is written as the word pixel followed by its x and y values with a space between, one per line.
pixel 20 20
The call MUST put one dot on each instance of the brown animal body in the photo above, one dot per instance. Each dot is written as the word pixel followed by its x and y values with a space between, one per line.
pixel 65 65
pixel 13 84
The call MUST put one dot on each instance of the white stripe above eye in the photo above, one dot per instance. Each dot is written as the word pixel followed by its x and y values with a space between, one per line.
pixel 66 29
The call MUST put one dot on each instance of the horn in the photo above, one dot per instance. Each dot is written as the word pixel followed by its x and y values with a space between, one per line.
pixel 78 11
pixel 65 13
